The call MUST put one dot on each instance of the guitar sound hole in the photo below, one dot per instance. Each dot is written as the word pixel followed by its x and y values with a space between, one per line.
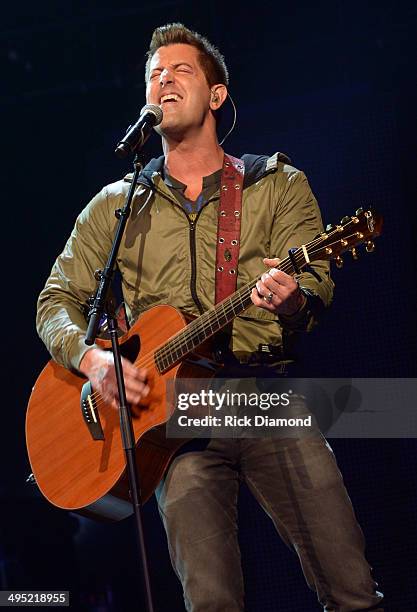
pixel 130 349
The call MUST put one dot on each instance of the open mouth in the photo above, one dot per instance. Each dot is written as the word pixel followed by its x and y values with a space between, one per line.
pixel 169 99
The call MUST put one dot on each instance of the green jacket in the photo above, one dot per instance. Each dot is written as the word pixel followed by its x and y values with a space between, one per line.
pixel 164 258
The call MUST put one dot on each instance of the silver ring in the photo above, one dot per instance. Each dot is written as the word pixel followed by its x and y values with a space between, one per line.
pixel 268 298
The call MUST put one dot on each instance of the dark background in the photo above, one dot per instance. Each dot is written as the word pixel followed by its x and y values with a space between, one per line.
pixel 333 85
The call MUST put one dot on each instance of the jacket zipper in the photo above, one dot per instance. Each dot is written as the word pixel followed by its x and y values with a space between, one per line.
pixel 193 280
pixel 192 224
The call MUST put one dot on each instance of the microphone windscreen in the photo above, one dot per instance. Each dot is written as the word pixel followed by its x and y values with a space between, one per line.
pixel 155 110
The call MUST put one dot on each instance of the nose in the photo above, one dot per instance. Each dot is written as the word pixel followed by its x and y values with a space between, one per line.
pixel 166 76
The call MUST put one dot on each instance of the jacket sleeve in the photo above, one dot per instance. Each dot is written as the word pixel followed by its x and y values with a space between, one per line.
pixel 298 221
pixel 60 321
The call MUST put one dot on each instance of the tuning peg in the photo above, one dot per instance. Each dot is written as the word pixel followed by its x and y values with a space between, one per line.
pixel 345 220
pixel 339 262
pixel 370 246
pixel 329 227
pixel 359 211
pixel 354 253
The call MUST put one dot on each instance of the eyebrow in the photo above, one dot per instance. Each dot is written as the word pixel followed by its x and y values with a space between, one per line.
pixel 174 66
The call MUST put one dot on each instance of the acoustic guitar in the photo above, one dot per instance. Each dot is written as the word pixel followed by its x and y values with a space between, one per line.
pixel 73 436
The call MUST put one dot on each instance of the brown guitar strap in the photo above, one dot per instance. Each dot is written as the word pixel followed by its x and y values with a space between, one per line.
pixel 228 226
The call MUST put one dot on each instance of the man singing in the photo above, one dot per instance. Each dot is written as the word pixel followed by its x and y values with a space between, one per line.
pixel 168 255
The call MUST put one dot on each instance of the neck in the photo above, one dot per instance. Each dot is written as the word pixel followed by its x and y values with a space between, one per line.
pixel 192 158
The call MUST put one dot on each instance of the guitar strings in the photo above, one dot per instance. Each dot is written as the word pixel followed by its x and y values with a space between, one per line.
pixel 176 340
pixel 189 333
pixel 212 314
pixel 228 306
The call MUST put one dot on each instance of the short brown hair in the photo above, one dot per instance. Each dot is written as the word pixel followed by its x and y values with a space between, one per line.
pixel 211 60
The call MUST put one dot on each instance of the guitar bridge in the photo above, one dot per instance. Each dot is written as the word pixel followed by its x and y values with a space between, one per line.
pixel 90 412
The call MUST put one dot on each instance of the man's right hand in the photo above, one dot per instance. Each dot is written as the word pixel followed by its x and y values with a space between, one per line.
pixel 98 366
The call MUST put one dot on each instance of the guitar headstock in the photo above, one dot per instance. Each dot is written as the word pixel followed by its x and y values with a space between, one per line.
pixel 346 236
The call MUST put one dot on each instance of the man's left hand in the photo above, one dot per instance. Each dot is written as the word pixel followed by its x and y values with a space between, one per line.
pixel 277 291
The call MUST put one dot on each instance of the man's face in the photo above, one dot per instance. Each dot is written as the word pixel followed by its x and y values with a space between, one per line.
pixel 178 85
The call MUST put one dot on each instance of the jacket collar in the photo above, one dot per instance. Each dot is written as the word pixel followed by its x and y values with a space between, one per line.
pixel 256 166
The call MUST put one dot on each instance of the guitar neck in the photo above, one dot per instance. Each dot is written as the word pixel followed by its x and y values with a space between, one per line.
pixel 330 244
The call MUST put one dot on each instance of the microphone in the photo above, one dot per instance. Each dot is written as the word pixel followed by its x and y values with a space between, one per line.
pixel 138 134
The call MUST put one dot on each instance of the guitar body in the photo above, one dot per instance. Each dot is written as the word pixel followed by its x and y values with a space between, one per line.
pixel 76 472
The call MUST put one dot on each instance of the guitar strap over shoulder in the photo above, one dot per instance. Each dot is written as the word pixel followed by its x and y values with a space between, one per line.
pixel 228 227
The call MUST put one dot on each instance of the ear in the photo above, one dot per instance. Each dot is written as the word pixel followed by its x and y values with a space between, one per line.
pixel 218 96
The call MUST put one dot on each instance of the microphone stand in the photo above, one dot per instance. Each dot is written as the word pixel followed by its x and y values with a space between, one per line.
pixel 101 305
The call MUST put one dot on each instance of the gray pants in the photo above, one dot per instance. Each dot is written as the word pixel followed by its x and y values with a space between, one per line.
pixel 298 484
